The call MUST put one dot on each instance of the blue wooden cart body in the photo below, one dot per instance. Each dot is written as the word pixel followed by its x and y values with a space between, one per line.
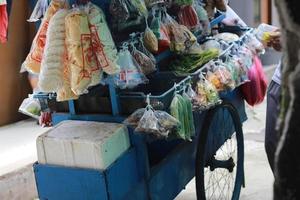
pixel 157 170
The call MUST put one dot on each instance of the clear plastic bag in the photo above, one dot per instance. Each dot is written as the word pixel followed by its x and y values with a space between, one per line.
pixel 150 40
pixel 38 11
pixel 131 74
pixel 134 118
pixel 141 47
pixel 188 17
pixel 263 31
pixel 118 9
pixel 146 64
pixel 181 37
pixel 157 123
pixel 207 94
pixel 141 6
pixel 148 123
pixel 203 18
pixel 225 76
pixel 31 107
pixel 179 110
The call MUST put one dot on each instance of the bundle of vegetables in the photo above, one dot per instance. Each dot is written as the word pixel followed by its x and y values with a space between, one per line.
pixel 186 64
pixel 181 109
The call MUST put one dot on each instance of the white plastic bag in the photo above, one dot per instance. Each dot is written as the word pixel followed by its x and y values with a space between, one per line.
pixel 38 11
pixel 31 107
pixel 131 74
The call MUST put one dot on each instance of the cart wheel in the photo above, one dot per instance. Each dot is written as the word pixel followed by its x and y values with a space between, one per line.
pixel 220 155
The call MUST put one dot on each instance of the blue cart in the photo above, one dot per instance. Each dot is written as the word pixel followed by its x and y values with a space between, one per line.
pixel 153 169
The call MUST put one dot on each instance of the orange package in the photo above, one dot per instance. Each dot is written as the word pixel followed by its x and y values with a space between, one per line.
pixel 33 61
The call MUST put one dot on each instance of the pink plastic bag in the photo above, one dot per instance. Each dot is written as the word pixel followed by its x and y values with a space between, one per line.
pixel 254 91
pixel 3 23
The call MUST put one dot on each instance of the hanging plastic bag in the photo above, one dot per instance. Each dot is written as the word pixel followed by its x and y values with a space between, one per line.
pixel 203 18
pixel 254 91
pixel 125 15
pixel 189 118
pixel 134 118
pixel 118 9
pixel 130 75
pixel 141 47
pixel 148 123
pixel 207 92
pixel 103 43
pixel 224 75
pixel 33 61
pixel 31 107
pixel 141 6
pixel 51 75
pixel 188 17
pixel 181 38
pixel 179 110
pixel 168 124
pixel 150 40
pixel 164 40
pixel 38 11
pixel 146 64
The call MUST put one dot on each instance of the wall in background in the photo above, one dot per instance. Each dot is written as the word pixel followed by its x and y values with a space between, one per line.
pixel 14 86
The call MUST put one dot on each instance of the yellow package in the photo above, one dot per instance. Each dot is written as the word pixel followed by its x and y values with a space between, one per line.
pixel 33 61
pixel 65 93
pixel 81 56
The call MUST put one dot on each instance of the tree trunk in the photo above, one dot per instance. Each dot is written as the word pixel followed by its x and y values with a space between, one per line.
pixel 287 166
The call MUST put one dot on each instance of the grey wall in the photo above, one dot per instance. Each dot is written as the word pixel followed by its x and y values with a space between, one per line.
pixel 244 8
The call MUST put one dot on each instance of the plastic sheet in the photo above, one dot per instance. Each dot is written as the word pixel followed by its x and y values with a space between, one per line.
pixel 38 11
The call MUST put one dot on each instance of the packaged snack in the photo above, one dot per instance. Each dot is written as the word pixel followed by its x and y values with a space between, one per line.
pixel 103 44
pixel 141 6
pixel 215 80
pixel 33 61
pixel 51 75
pixel 81 57
pixel 65 93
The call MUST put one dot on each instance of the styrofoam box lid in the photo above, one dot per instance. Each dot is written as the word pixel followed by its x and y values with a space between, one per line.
pixel 83 130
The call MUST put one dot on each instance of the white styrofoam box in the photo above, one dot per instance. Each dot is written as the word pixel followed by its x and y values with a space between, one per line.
pixel 91 145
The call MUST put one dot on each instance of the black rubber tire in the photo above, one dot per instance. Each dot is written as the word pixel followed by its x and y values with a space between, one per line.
pixel 202 148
